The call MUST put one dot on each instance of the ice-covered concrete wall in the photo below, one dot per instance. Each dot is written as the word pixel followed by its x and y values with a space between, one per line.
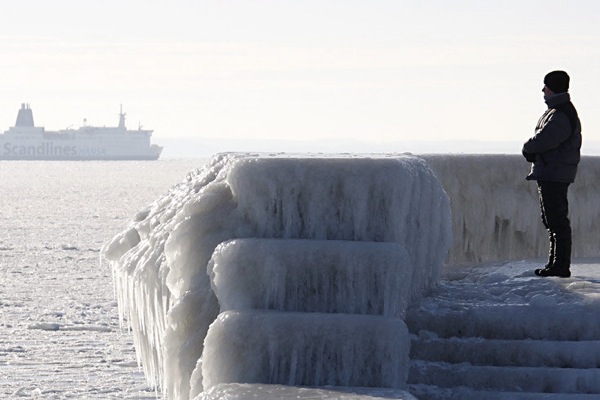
pixel 326 276
pixel 305 349
pixel 160 261
pixel 495 211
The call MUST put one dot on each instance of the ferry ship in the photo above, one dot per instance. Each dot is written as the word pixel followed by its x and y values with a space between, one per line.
pixel 25 141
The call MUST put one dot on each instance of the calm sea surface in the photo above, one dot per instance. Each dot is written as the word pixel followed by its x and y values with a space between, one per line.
pixel 59 329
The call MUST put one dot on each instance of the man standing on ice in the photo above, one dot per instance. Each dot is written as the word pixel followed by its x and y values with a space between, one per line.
pixel 555 153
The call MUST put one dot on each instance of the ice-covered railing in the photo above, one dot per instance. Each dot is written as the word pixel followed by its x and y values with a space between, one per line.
pixel 495 211
pixel 348 236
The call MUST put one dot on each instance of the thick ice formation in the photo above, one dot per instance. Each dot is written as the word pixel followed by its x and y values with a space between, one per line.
pixel 160 262
pixel 309 349
pixel 329 276
pixel 495 211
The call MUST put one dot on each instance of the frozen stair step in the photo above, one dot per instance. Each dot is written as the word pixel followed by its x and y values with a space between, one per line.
pixel 524 353
pixel 517 379
pixel 508 322
pixel 268 274
pixel 429 392
pixel 260 391
pixel 306 349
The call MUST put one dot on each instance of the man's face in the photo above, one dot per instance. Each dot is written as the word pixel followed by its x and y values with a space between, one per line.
pixel 547 91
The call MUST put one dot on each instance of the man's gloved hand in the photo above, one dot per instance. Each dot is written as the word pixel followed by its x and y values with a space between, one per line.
pixel 530 157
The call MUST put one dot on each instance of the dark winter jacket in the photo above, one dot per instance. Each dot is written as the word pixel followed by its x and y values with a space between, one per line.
pixel 555 148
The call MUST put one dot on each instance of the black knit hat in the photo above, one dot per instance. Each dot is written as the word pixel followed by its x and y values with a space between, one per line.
pixel 557 81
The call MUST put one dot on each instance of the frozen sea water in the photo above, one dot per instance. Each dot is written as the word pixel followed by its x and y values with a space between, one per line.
pixel 59 328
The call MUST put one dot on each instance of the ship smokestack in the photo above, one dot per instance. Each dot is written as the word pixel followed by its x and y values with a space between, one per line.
pixel 122 119
pixel 25 116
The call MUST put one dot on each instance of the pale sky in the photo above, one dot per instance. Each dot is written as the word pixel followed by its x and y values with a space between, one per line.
pixel 371 71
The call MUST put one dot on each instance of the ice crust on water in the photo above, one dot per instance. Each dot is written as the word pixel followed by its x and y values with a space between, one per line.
pixel 160 261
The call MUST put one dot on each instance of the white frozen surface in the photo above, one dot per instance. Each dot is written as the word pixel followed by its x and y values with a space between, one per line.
pixel 506 300
pixel 161 260
pixel 329 276
pixel 59 328
pixel 497 331
pixel 495 211
pixel 244 391
pixel 309 349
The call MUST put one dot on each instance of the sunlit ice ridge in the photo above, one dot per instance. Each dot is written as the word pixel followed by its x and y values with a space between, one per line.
pixel 289 275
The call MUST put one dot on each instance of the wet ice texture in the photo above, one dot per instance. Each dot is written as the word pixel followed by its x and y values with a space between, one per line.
pixel 164 290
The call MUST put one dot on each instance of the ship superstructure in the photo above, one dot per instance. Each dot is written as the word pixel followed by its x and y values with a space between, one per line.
pixel 25 141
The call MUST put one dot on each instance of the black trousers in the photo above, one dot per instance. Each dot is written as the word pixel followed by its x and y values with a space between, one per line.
pixel 555 217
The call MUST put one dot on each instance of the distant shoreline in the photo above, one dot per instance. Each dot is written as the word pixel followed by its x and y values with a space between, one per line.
pixel 205 147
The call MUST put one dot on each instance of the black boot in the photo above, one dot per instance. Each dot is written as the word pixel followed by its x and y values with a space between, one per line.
pixel 560 248
pixel 562 273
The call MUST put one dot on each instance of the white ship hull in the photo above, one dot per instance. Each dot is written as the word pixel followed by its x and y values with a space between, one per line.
pixel 24 141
